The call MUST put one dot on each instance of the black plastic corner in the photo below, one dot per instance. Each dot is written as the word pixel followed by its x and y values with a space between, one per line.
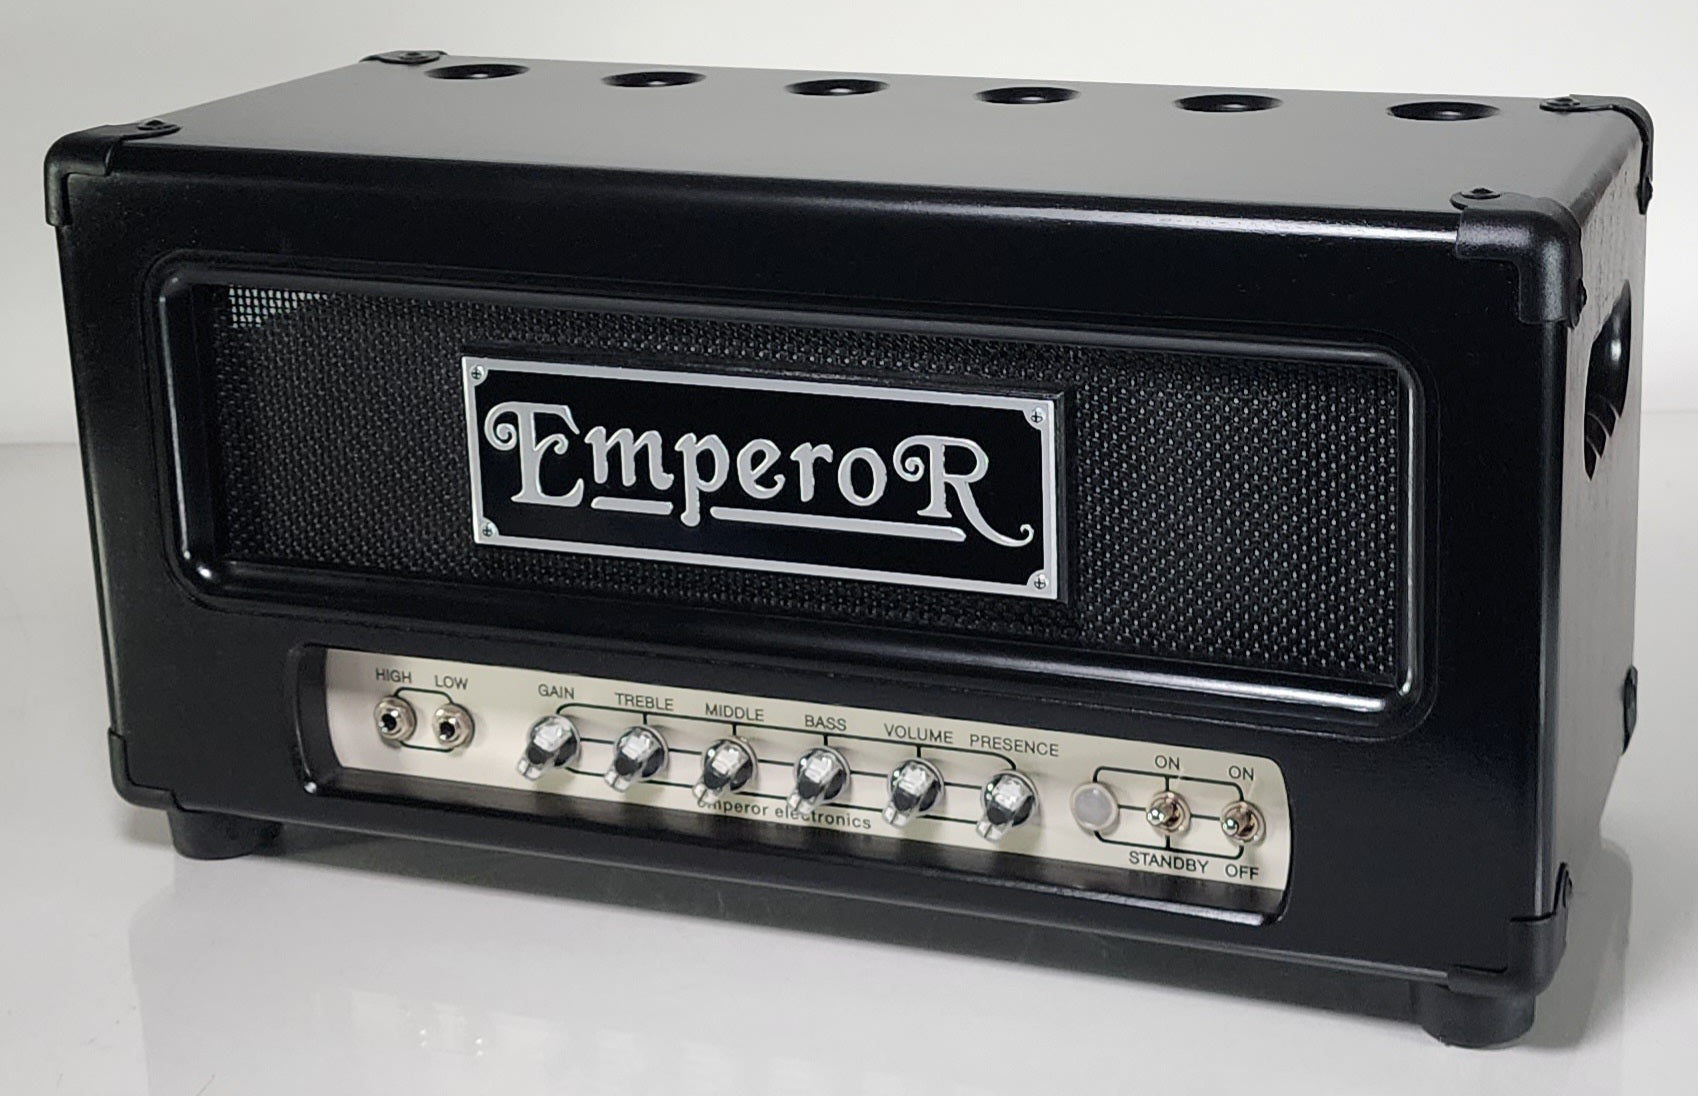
pixel 1539 236
pixel 1535 948
pixel 128 790
pixel 89 152
pixel 407 57
pixel 1635 111
pixel 1629 706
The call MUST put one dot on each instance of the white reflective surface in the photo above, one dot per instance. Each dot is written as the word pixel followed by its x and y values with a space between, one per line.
pixel 343 964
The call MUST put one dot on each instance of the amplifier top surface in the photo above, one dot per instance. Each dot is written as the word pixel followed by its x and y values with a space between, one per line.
pixel 1395 154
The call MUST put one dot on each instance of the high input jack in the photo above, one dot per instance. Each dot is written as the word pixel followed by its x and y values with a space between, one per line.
pixel 395 720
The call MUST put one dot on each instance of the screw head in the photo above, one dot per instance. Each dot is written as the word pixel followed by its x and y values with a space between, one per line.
pixel 1037 416
pixel 1481 194
pixel 1040 582
pixel 487 529
pixel 477 373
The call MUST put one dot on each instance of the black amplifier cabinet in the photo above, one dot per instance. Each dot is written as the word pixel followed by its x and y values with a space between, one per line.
pixel 1204 517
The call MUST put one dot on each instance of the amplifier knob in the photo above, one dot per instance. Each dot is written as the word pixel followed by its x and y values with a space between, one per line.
pixel 915 788
pixel 727 766
pixel 552 742
pixel 1009 800
pixel 821 776
pixel 639 754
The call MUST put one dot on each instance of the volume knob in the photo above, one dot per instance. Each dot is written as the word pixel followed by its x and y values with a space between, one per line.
pixel 915 788
pixel 727 766
pixel 1009 800
pixel 821 776
pixel 552 742
pixel 639 755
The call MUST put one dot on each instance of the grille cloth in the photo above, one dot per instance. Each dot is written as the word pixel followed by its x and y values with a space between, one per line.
pixel 1224 511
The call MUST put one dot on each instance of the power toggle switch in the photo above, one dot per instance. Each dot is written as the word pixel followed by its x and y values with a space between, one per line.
pixel 639 755
pixel 1008 800
pixel 552 742
pixel 727 766
pixel 915 788
pixel 821 776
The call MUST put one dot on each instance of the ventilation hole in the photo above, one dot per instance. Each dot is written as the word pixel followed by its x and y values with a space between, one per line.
pixel 1229 103
pixel 476 72
pixel 1442 111
pixel 652 79
pixel 837 87
pixel 1028 95
pixel 1607 376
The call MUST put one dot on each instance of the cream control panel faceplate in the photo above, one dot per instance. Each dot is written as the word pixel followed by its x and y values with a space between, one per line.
pixel 1083 799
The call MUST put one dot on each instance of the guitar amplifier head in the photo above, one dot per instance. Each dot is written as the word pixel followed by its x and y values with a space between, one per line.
pixel 1198 516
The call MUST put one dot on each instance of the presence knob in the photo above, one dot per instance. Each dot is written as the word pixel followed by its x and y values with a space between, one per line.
pixel 552 742
pixel 915 788
pixel 1009 800
pixel 727 766
pixel 821 776
pixel 639 754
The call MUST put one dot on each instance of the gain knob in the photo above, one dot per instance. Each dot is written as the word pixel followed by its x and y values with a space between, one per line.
pixel 1009 800
pixel 915 788
pixel 639 755
pixel 727 766
pixel 821 776
pixel 552 742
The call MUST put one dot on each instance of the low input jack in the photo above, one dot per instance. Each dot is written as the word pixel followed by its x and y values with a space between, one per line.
pixel 452 726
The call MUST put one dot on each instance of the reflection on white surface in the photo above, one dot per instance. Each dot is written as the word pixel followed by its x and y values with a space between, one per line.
pixel 347 965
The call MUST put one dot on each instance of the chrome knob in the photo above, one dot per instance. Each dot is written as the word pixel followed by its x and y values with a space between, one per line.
pixel 821 776
pixel 727 766
pixel 552 742
pixel 639 755
pixel 1009 800
pixel 915 788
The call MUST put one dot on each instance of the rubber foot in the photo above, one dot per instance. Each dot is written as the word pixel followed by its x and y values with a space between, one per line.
pixel 202 835
pixel 1464 1020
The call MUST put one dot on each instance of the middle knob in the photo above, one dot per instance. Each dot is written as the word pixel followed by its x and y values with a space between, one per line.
pixel 821 776
pixel 727 766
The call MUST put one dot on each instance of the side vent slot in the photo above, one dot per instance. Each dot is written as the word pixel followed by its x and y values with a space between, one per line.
pixel 1606 378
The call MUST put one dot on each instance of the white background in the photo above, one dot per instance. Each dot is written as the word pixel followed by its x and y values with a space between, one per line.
pixel 70 64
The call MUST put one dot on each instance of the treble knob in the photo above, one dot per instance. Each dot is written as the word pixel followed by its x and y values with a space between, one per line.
pixel 639 755
pixel 727 766
pixel 821 776
pixel 552 742
pixel 1009 800
pixel 915 788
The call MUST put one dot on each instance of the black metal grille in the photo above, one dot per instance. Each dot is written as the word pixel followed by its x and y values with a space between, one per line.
pixel 1221 510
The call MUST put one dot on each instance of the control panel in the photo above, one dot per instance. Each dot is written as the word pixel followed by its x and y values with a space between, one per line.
pixel 1054 795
